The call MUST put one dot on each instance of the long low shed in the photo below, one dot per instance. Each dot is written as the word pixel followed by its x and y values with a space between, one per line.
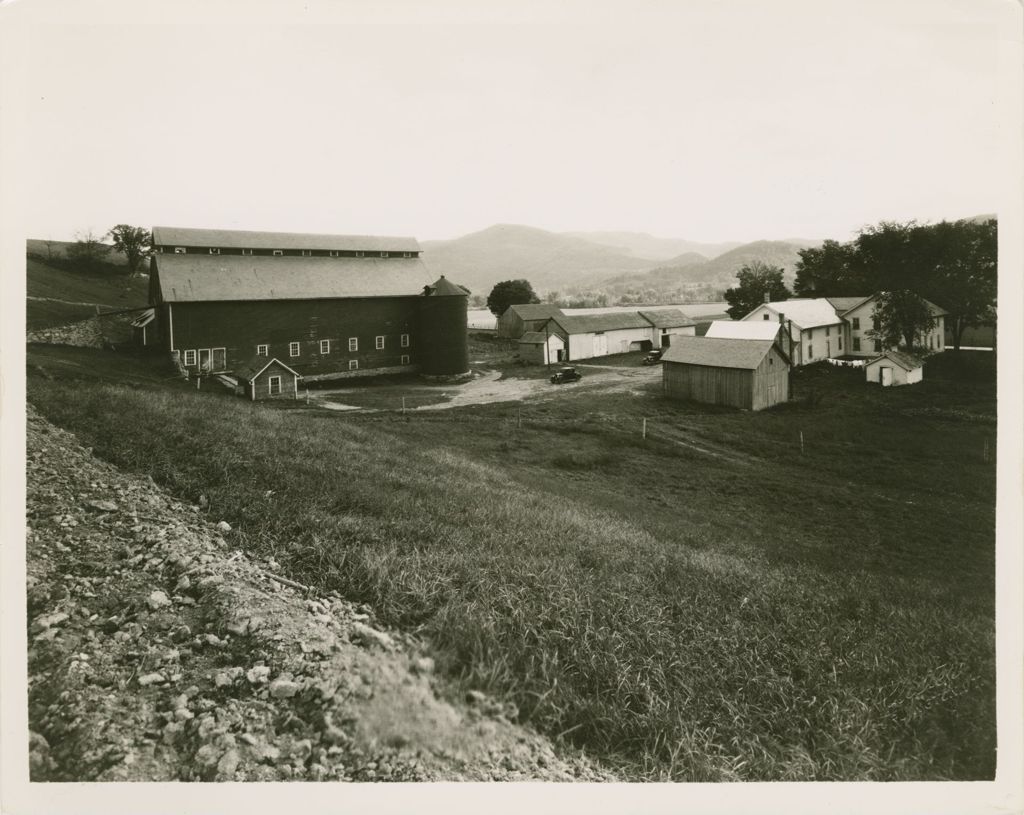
pixel 747 374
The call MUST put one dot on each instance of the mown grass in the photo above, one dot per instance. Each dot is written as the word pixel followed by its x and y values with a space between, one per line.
pixel 112 291
pixel 705 604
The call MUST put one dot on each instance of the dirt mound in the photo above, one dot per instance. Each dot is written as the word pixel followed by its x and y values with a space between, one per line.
pixel 158 653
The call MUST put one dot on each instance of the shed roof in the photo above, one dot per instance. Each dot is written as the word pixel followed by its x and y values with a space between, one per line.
pixel 907 362
pixel 718 353
pixel 805 313
pixel 535 311
pixel 201 278
pixel 588 323
pixel 246 239
pixel 538 338
pixel 744 329
pixel 666 318
pixel 257 365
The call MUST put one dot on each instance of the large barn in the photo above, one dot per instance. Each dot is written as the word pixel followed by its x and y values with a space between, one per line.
pixel 328 306
pixel 742 373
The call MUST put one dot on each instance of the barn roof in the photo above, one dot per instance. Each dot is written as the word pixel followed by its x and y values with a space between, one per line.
pixel 718 353
pixel 257 365
pixel 907 362
pixel 535 311
pixel 245 239
pixel 809 313
pixel 201 278
pixel 537 337
pixel 744 329
pixel 588 323
pixel 666 318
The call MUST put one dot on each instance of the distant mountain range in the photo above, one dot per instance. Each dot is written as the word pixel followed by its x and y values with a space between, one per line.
pixel 642 245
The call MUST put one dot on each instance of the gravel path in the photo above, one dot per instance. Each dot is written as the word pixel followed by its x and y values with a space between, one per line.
pixel 157 653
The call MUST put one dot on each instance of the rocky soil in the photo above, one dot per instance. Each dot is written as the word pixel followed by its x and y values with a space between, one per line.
pixel 158 652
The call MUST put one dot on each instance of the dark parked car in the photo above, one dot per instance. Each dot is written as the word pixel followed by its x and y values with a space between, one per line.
pixel 653 358
pixel 565 375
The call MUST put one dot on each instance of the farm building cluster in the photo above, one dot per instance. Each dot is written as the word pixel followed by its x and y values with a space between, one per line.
pixel 237 304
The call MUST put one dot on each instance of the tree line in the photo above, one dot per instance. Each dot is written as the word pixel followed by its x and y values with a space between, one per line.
pixel 952 264
pixel 89 253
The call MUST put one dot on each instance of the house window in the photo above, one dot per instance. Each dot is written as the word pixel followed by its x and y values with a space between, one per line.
pixel 810 352
pixel 405 359
pixel 247 251
pixel 405 340
pixel 190 357
pixel 275 385
pixel 307 253
pixel 353 364
pixel 325 346
pixel 856 323
pixel 214 250
pixel 360 254
pixel 353 343
pixel 856 343
pixel 293 349
pixel 840 342
pixel 878 345
pixel 383 254
pixel 278 252
pixel 771 361
pixel 379 343
pixel 828 331
pixel 764 316
pixel 263 350
pixel 179 250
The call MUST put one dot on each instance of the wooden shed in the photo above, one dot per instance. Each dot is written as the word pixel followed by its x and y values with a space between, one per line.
pixel 540 348
pixel 268 378
pixel 894 368
pixel 747 374
pixel 524 317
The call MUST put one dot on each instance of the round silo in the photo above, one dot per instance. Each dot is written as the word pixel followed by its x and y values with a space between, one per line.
pixel 444 350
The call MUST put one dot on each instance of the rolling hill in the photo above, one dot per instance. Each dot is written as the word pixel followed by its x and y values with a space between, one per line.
pixel 643 245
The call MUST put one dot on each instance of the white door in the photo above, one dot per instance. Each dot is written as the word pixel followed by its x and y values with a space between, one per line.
pixel 600 345
pixel 885 377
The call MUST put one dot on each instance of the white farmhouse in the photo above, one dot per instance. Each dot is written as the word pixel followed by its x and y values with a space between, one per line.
pixel 815 329
pixel 857 314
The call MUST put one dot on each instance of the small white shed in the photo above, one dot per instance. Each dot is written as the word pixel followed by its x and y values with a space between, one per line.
pixel 538 348
pixel 894 368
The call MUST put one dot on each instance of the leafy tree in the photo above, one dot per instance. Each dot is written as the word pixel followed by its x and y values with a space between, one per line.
pixel 827 271
pixel 900 317
pixel 756 279
pixel 134 242
pixel 510 293
pixel 88 253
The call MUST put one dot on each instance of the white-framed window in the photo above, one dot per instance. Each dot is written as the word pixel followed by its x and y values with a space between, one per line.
pixel 275 385
pixel 405 340
pixel 856 323
pixel 190 357
pixel 179 250
pixel 378 343
pixel 353 364
pixel 278 252
pixel 247 251
pixel 307 253
pixel 263 350
pixel 360 254
pixel 334 253
pixel 383 254
pixel 293 349
pixel 405 359
pixel 325 346
pixel 353 343
pixel 214 250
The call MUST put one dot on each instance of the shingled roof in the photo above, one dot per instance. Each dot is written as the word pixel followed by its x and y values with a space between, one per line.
pixel 245 239
pixel 805 313
pixel 744 329
pixel 535 311
pixel 908 362
pixel 718 352
pixel 204 278
pixel 257 365
pixel 588 323
pixel 666 318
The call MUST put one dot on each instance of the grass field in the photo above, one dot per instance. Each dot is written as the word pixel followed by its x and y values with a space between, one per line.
pixel 57 296
pixel 711 603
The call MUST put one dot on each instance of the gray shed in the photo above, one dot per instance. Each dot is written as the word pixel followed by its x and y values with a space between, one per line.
pixel 747 374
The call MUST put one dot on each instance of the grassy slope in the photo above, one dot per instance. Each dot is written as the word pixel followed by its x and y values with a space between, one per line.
pixel 111 292
pixel 708 604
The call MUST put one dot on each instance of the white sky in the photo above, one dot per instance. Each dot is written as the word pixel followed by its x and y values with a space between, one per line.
pixel 702 120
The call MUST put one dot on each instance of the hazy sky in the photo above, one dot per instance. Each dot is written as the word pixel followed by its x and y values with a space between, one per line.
pixel 700 120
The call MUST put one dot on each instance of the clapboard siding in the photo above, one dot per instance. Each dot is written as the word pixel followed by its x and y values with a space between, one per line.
pixel 749 389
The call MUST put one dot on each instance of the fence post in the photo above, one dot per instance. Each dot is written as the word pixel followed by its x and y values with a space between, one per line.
pixel 644 431
pixel 519 417
pixel 403 404
pixel 801 442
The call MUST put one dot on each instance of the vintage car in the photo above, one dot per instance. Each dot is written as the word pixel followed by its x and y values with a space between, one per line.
pixel 653 358
pixel 565 375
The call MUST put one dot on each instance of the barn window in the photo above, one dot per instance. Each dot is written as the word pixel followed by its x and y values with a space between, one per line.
pixel 353 343
pixel 334 253
pixel 179 250
pixel 383 254
pixel 293 349
pixel 407 254
pixel 214 250
pixel 325 346
pixel 771 361
pixel 247 251
pixel 405 340
pixel 360 254
pixel 856 323
pixel 263 350
pixel 856 343
pixel 379 343
pixel 405 359
pixel 190 357
pixel 307 253
pixel 353 364
pixel 278 252
pixel 275 385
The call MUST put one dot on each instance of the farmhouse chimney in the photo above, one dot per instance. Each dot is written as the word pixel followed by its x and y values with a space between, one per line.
pixel 767 297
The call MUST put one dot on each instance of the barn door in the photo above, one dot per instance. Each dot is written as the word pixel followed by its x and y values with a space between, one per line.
pixel 885 377
pixel 600 345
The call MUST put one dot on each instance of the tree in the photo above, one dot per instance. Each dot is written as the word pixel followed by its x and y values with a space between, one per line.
pixel 134 242
pixel 510 293
pixel 900 317
pixel 756 280
pixel 88 253
pixel 827 271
